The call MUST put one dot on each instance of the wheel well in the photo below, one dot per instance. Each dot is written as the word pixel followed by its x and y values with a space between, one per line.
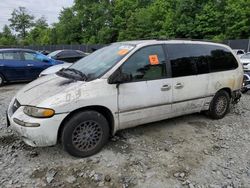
pixel 101 109
pixel 228 90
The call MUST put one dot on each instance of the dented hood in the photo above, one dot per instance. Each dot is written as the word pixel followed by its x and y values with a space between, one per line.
pixel 43 88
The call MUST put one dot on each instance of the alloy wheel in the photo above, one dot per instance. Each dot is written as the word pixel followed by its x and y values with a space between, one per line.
pixel 87 135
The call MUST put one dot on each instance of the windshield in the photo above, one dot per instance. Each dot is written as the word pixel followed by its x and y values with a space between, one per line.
pixel 53 53
pixel 99 62
pixel 246 56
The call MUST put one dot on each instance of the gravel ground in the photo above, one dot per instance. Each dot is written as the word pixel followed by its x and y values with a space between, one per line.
pixel 189 151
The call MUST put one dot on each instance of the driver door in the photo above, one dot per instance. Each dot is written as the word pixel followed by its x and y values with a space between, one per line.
pixel 148 96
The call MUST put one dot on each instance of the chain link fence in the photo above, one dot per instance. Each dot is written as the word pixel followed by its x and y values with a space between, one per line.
pixel 51 48
pixel 239 44
pixel 234 44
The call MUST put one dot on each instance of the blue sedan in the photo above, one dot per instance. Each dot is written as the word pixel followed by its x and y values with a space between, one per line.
pixel 22 64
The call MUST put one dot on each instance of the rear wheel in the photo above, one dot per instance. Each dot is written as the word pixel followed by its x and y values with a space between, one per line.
pixel 219 105
pixel 85 134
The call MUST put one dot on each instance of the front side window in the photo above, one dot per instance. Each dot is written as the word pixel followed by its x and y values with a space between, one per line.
pixel 11 56
pixel 147 63
pixel 35 57
pixel 29 56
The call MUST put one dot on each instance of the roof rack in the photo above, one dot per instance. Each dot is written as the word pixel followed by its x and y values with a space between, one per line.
pixel 172 38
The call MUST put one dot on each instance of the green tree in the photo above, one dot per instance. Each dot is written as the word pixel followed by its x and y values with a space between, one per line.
pixel 96 20
pixel 21 21
pixel 68 29
pixel 39 32
pixel 208 22
pixel 6 37
pixel 237 19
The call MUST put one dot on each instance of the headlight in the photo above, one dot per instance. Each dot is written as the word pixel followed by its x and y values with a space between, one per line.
pixel 38 112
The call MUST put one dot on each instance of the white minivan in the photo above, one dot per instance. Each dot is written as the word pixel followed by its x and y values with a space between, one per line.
pixel 124 85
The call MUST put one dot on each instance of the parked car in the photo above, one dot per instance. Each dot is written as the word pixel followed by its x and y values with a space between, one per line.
pixel 69 56
pixel 44 52
pixel 239 52
pixel 246 84
pixel 245 60
pixel 22 64
pixel 54 69
pixel 124 85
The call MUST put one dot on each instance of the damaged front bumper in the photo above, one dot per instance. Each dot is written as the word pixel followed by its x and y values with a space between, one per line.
pixel 37 136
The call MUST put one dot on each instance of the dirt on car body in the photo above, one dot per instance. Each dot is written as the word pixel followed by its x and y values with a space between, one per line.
pixel 189 151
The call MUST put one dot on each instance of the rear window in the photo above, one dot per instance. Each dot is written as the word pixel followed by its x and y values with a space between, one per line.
pixel 220 58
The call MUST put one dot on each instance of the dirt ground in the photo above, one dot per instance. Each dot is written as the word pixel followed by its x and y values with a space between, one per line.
pixel 189 151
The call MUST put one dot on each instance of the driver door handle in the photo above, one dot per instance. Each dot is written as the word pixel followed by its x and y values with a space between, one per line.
pixel 166 87
pixel 30 65
pixel 179 86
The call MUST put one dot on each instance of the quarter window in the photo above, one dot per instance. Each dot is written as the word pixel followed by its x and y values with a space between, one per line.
pixel 147 63
pixel 220 59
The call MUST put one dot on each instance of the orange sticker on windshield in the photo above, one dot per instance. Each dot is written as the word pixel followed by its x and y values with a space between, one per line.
pixel 123 52
pixel 153 60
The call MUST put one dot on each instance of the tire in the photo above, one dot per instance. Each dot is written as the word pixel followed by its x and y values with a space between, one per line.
pixel 219 106
pixel 85 134
pixel 1 80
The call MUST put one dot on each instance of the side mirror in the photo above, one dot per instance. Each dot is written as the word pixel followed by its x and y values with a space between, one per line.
pixel 118 77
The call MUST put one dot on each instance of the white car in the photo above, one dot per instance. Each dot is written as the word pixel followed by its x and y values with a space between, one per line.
pixel 245 60
pixel 54 69
pixel 124 85
pixel 239 52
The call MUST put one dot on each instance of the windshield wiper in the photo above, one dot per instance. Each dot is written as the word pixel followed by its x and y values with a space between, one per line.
pixel 78 75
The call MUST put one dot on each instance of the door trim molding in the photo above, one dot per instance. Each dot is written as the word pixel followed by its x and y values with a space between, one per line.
pixel 164 104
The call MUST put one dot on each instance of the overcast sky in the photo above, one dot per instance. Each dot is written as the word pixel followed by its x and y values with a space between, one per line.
pixel 48 8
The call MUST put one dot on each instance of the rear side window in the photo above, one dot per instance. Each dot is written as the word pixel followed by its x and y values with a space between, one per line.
pixel 147 63
pixel 11 56
pixel 1 56
pixel 187 59
pixel 220 58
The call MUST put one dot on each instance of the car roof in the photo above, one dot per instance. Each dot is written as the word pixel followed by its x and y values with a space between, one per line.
pixel 16 50
pixel 176 41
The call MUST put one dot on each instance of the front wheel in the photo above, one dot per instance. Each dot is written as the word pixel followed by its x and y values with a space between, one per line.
pixel 85 134
pixel 219 105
